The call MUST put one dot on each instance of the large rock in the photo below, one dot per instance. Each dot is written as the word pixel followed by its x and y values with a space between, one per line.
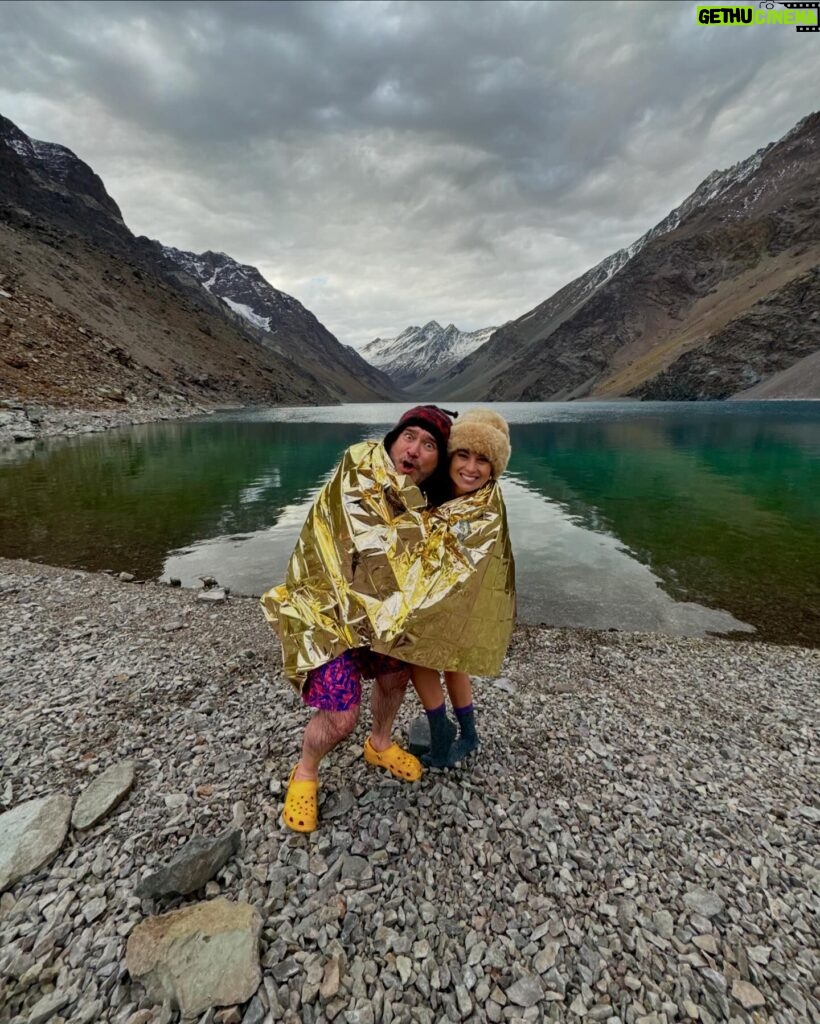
pixel 526 992
pixel 703 902
pixel 102 795
pixel 198 957
pixel 195 864
pixel 30 835
pixel 418 736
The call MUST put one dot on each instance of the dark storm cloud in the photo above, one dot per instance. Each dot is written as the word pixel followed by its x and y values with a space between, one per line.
pixel 390 162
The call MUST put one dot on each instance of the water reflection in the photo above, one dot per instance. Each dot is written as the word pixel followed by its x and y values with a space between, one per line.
pixel 567 575
pixel 718 504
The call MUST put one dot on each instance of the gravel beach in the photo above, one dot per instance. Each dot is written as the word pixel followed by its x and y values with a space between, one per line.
pixel 635 841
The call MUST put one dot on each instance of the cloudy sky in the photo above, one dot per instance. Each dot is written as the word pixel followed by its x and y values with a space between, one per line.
pixel 389 163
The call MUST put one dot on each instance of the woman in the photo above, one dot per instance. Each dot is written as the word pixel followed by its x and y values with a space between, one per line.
pixel 479 450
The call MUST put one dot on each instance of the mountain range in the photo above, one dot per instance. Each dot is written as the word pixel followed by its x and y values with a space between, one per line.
pixel 718 300
pixel 93 316
pixel 417 358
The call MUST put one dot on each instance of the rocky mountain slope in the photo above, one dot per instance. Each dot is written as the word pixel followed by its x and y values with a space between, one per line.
pixel 92 316
pixel 419 356
pixel 717 299
pixel 282 324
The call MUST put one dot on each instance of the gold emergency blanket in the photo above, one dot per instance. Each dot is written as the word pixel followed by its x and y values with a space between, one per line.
pixel 373 568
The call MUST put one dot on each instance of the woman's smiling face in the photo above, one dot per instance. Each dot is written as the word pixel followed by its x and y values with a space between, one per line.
pixel 469 471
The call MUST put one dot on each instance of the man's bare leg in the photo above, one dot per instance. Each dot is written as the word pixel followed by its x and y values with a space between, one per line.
pixel 324 731
pixel 388 693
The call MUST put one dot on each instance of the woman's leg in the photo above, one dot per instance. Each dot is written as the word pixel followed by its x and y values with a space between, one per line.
pixel 460 688
pixel 461 695
pixel 428 686
pixel 427 682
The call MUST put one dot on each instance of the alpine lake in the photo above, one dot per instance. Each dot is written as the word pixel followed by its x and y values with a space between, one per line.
pixel 681 518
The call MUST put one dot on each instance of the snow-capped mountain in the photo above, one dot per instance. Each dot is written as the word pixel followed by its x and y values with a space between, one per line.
pixel 240 286
pixel 420 355
pixel 203 325
pixel 281 320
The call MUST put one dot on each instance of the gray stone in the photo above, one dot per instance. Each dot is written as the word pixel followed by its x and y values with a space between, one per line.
pixel 285 969
pixel 527 991
pixel 463 1001
pixel 195 864
pixel 708 943
pixel 418 735
pixel 703 902
pixel 746 994
pixel 404 965
pixel 546 957
pixel 255 1012
pixel 504 684
pixel 579 1007
pixel 331 980
pixel 627 914
pixel 94 909
pixel 46 1007
pixel 793 998
pixel 338 803
pixel 102 795
pixel 86 1013
pixel 215 596
pixel 30 835
pixel 198 957
pixel 664 923
pixel 564 688
pixel 356 868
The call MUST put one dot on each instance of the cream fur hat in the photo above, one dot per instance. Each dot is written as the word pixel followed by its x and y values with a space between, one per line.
pixel 485 432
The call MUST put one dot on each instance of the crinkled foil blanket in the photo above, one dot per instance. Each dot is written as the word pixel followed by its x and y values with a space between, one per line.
pixel 373 567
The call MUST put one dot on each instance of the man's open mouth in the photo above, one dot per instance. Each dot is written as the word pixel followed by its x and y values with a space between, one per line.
pixel 407 467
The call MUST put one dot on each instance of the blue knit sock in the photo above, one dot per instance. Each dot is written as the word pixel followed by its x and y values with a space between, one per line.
pixel 442 733
pixel 468 738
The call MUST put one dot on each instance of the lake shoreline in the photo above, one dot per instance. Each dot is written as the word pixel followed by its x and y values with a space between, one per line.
pixel 22 421
pixel 626 844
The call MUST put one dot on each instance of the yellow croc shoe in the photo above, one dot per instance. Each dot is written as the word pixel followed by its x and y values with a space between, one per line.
pixel 301 810
pixel 397 761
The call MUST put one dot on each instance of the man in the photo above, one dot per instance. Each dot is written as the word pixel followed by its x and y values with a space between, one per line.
pixel 331 603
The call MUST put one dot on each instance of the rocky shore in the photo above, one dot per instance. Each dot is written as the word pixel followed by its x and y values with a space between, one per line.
pixel 636 840
pixel 25 421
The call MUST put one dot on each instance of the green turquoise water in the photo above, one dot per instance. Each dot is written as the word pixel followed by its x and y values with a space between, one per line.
pixel 676 517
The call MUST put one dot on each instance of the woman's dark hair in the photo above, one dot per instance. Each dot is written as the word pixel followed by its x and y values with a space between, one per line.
pixel 438 487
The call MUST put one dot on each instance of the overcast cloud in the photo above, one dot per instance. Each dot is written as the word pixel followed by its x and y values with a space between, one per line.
pixel 392 163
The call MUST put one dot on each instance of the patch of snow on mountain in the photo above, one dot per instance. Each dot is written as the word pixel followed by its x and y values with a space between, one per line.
pixel 55 158
pixel 262 322
pixel 212 279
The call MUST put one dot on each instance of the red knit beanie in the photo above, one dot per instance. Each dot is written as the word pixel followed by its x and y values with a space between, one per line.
pixel 430 418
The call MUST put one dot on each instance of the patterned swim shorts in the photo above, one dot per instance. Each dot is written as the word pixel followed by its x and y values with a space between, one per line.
pixel 337 686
